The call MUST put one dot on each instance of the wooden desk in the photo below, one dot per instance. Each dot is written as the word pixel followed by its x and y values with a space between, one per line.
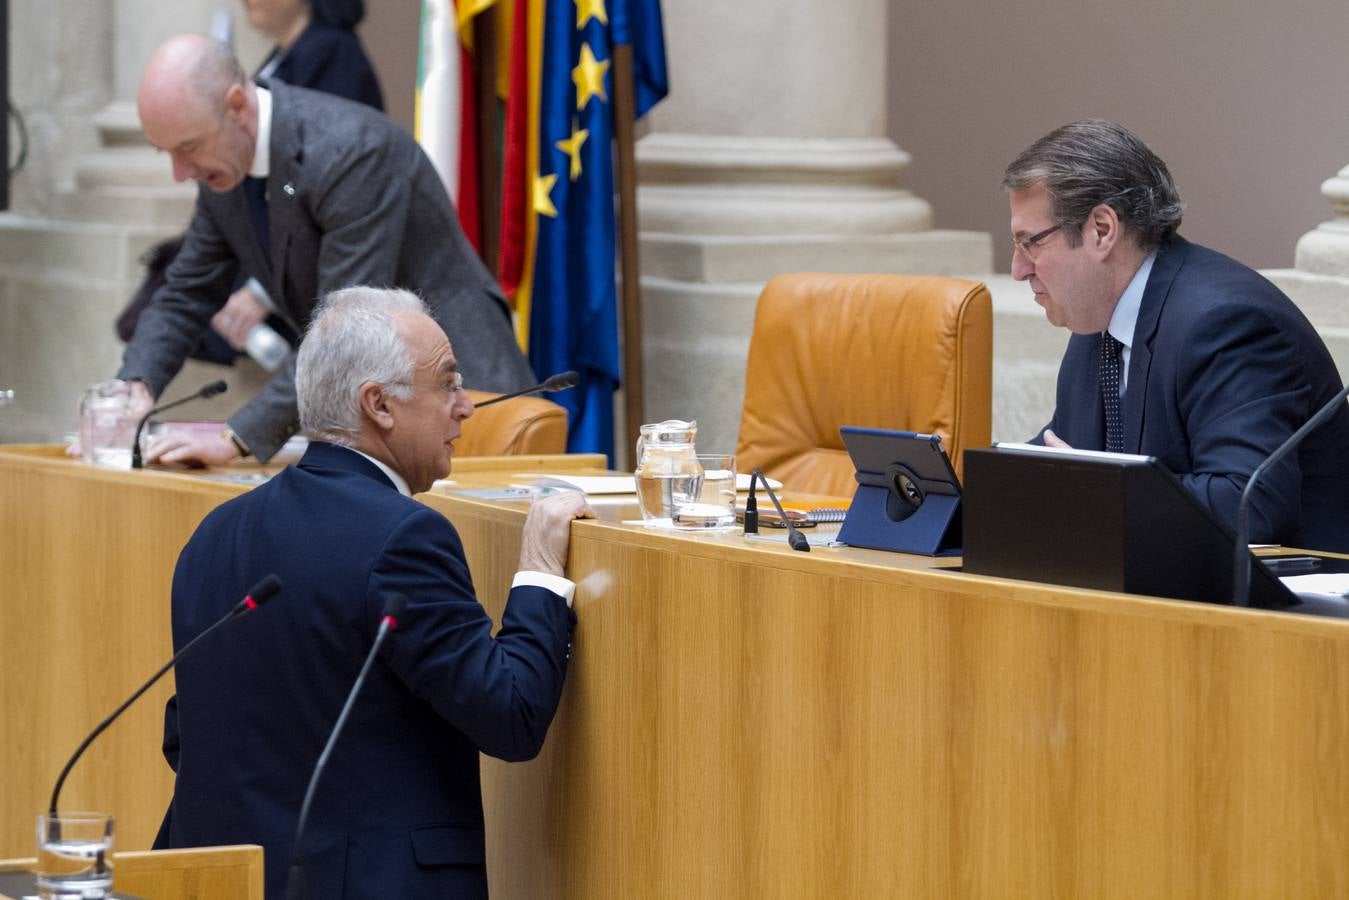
pixel 202 873
pixel 741 720
pixel 744 721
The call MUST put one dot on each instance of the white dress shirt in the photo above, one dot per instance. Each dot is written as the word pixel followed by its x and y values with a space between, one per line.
pixel 1125 318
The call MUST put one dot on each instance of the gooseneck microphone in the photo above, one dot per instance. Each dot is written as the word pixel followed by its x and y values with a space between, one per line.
pixel 559 382
pixel 259 594
pixel 394 605
pixel 1241 566
pixel 795 539
pixel 215 387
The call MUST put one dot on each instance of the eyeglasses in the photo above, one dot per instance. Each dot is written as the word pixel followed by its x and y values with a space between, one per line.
pixel 451 386
pixel 1030 245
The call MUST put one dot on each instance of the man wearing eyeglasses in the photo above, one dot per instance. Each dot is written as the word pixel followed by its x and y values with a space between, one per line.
pixel 399 812
pixel 1177 352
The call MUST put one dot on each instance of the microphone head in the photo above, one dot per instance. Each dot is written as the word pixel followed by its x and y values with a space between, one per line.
pixel 561 381
pixel 394 604
pixel 265 589
pixel 798 541
pixel 215 387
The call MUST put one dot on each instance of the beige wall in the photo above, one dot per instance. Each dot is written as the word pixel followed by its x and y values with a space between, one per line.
pixel 389 33
pixel 1245 101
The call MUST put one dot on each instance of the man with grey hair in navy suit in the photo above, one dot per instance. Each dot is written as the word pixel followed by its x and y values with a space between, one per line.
pixel 399 811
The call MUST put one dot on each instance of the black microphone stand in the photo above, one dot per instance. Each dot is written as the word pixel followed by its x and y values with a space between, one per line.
pixel 394 605
pixel 1241 567
pixel 795 539
pixel 260 593
pixel 559 382
pixel 215 387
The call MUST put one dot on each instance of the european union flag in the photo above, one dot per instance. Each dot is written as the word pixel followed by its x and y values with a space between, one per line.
pixel 574 309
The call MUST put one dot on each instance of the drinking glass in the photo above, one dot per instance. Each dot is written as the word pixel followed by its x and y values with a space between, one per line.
pixel 713 506
pixel 74 855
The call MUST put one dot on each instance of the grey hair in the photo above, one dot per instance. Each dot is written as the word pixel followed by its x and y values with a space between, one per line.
pixel 352 339
pixel 1092 161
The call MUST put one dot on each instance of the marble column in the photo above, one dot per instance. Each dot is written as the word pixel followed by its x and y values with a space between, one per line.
pixel 1319 279
pixel 769 155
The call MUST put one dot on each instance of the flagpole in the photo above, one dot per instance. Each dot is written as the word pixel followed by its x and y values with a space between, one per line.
pixel 626 164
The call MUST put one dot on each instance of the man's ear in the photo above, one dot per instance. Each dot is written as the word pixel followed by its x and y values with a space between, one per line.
pixel 1104 228
pixel 374 403
pixel 236 100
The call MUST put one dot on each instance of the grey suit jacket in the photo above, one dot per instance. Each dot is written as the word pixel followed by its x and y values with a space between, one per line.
pixel 352 200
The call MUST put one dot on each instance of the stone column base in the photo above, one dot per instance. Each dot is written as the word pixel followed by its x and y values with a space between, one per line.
pixel 62 285
pixel 126 180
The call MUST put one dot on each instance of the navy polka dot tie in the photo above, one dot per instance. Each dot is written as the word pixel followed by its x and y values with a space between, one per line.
pixel 1110 371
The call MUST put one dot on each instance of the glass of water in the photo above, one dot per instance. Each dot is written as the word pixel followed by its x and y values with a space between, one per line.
pixel 713 504
pixel 74 856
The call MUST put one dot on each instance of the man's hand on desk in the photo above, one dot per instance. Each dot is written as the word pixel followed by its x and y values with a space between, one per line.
pixel 547 532
pixel 192 450
pixel 1053 440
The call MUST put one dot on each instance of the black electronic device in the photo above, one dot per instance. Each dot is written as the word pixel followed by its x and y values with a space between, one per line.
pixel 1109 521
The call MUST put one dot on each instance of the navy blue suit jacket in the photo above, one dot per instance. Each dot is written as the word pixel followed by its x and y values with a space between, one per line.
pixel 1223 369
pixel 399 811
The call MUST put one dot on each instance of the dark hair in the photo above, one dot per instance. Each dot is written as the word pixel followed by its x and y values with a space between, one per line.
pixel 1092 161
pixel 341 13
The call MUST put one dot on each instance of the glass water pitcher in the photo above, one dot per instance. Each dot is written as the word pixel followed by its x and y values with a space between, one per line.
pixel 667 470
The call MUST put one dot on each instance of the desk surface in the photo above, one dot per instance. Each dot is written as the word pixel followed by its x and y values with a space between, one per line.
pixel 742 720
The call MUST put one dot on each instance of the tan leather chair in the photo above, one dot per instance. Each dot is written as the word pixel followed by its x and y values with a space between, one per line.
pixel 524 426
pixel 903 352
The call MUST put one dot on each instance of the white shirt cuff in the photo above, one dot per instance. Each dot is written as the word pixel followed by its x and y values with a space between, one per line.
pixel 563 587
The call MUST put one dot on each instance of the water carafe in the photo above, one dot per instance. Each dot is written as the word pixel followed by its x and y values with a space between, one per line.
pixel 667 469
pixel 107 426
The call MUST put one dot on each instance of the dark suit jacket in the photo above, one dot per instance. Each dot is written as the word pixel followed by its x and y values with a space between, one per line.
pixel 398 812
pixel 1223 369
pixel 353 200
pixel 329 59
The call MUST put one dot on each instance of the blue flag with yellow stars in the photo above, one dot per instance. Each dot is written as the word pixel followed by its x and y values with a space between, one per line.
pixel 571 300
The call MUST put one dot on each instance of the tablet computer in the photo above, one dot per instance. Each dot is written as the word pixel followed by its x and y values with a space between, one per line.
pixel 908 495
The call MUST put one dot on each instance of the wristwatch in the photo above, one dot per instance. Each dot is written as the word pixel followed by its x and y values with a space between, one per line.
pixel 228 434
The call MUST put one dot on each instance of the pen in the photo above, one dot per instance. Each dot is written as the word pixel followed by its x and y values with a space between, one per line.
pixel 1291 565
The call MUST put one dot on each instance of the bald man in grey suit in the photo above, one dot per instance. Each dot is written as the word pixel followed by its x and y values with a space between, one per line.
pixel 317 192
